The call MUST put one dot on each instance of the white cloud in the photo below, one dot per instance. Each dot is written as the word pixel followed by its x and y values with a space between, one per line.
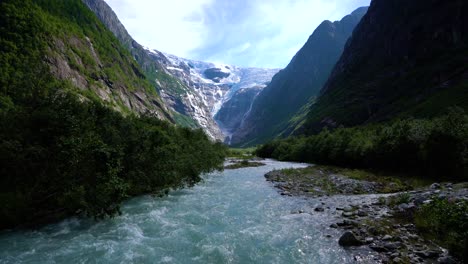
pixel 168 25
pixel 262 33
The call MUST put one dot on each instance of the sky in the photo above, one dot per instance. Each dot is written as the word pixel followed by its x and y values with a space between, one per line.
pixel 246 33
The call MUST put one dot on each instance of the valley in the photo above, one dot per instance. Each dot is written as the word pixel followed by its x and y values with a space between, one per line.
pixel 113 151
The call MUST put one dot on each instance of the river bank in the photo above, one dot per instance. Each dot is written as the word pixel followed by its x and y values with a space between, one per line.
pixel 377 214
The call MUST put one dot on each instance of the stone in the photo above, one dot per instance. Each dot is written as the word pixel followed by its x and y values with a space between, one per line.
pixel 392 246
pixel 348 209
pixel 402 207
pixel 362 213
pixel 387 238
pixel 369 240
pixel 431 254
pixel 397 260
pixel 372 230
pixel 427 201
pixel 319 208
pixel 378 248
pixel 348 214
pixel 435 186
pixel 348 239
pixel 334 226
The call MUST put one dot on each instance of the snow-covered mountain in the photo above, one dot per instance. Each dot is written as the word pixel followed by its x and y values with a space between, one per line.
pixel 211 86
pixel 217 82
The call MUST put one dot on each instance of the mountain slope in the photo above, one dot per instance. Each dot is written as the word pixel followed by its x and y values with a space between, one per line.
pixel 91 59
pixel 294 86
pixel 64 150
pixel 194 91
pixel 233 112
pixel 406 58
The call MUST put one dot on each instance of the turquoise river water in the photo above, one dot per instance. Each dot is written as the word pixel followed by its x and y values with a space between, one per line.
pixel 234 216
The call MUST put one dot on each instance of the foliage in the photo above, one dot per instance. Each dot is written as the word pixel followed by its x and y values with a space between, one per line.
pixel 243 164
pixel 62 153
pixel 400 198
pixel 436 147
pixel 73 156
pixel 241 153
pixel 447 222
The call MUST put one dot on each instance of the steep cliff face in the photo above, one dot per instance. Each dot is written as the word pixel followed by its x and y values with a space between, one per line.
pixel 233 112
pixel 406 58
pixel 83 55
pixel 194 91
pixel 301 80
pixel 172 91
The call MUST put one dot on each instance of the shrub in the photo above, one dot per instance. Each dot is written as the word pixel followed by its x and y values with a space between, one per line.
pixel 447 222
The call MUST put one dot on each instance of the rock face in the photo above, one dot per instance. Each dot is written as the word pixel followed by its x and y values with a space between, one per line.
pixel 232 112
pixel 213 85
pixel 216 74
pixel 406 58
pixel 298 83
pixel 85 61
pixel 194 91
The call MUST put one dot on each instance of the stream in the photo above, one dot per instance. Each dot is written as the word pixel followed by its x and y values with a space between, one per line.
pixel 234 216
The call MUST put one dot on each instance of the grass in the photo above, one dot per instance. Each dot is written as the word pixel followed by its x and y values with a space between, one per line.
pixel 392 182
pixel 241 153
pixel 243 164
pixel 319 176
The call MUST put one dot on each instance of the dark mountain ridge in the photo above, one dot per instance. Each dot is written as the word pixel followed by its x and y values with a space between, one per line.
pixel 300 81
pixel 405 58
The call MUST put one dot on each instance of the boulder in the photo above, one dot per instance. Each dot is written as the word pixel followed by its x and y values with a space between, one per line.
pixel 348 239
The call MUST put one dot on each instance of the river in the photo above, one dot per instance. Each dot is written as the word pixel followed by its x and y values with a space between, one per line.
pixel 234 216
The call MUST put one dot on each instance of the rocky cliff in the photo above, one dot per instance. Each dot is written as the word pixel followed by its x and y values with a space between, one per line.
pixel 194 91
pixel 81 52
pixel 233 112
pixel 298 83
pixel 405 58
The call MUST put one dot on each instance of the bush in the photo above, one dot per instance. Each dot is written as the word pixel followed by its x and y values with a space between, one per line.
pixel 436 147
pixel 60 153
pixel 447 222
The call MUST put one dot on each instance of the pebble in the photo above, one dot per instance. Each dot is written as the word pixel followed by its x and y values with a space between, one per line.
pixel 387 237
pixel 377 248
pixel 319 208
pixel 348 214
pixel 362 213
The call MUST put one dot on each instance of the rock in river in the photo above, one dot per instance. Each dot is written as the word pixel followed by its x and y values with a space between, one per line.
pixel 348 239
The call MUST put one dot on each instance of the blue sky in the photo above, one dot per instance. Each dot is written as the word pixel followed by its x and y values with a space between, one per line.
pixel 248 33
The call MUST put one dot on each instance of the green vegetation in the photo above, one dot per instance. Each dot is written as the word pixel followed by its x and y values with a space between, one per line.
pixel 63 152
pixel 436 147
pixel 398 199
pixel 446 222
pixel 63 33
pixel 320 176
pixel 241 153
pixel 244 164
